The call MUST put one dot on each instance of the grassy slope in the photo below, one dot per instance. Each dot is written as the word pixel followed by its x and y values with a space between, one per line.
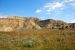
pixel 38 40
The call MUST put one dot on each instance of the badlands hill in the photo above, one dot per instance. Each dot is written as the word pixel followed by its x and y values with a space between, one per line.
pixel 18 23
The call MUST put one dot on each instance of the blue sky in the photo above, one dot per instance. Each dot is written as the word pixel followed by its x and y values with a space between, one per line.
pixel 43 9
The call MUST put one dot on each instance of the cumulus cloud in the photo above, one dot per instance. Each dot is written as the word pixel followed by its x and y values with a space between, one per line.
pixel 53 6
pixel 38 10
pixel 56 6
pixel 72 4
pixel 48 7
pixel 67 1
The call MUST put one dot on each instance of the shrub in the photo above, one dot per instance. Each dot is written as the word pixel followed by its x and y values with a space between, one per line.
pixel 30 43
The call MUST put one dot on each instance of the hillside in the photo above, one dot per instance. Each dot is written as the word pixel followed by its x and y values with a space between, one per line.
pixel 11 23
pixel 19 33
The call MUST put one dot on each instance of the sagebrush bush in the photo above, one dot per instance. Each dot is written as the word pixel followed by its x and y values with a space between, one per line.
pixel 38 40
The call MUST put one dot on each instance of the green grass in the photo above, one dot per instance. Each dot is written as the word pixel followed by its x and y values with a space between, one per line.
pixel 38 40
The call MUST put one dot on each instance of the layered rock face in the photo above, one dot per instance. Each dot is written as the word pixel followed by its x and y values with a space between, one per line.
pixel 14 22
pixel 71 26
pixel 52 24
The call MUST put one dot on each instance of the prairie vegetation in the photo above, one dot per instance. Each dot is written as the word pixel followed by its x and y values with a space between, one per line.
pixel 38 40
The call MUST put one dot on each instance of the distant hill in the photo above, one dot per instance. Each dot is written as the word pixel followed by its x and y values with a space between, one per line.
pixel 51 23
pixel 16 23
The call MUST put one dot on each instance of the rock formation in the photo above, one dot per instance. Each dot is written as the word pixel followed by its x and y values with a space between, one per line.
pixel 14 23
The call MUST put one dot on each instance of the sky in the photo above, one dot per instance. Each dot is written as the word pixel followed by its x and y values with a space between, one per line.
pixel 42 9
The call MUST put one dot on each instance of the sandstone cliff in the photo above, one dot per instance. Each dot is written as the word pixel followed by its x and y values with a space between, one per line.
pixel 18 23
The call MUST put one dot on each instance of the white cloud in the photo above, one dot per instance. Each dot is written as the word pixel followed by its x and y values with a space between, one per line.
pixel 71 21
pixel 48 7
pixel 2 15
pixel 67 1
pixel 53 6
pixel 72 4
pixel 57 5
pixel 38 10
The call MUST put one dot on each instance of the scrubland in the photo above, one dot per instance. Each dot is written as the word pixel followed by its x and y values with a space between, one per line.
pixel 38 40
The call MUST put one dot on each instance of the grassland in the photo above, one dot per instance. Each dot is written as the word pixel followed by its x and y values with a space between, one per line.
pixel 38 40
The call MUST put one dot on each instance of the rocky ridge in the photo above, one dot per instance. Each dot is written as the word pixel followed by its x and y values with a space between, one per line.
pixel 18 23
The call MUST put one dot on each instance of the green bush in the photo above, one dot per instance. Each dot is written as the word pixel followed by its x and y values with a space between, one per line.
pixel 30 44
